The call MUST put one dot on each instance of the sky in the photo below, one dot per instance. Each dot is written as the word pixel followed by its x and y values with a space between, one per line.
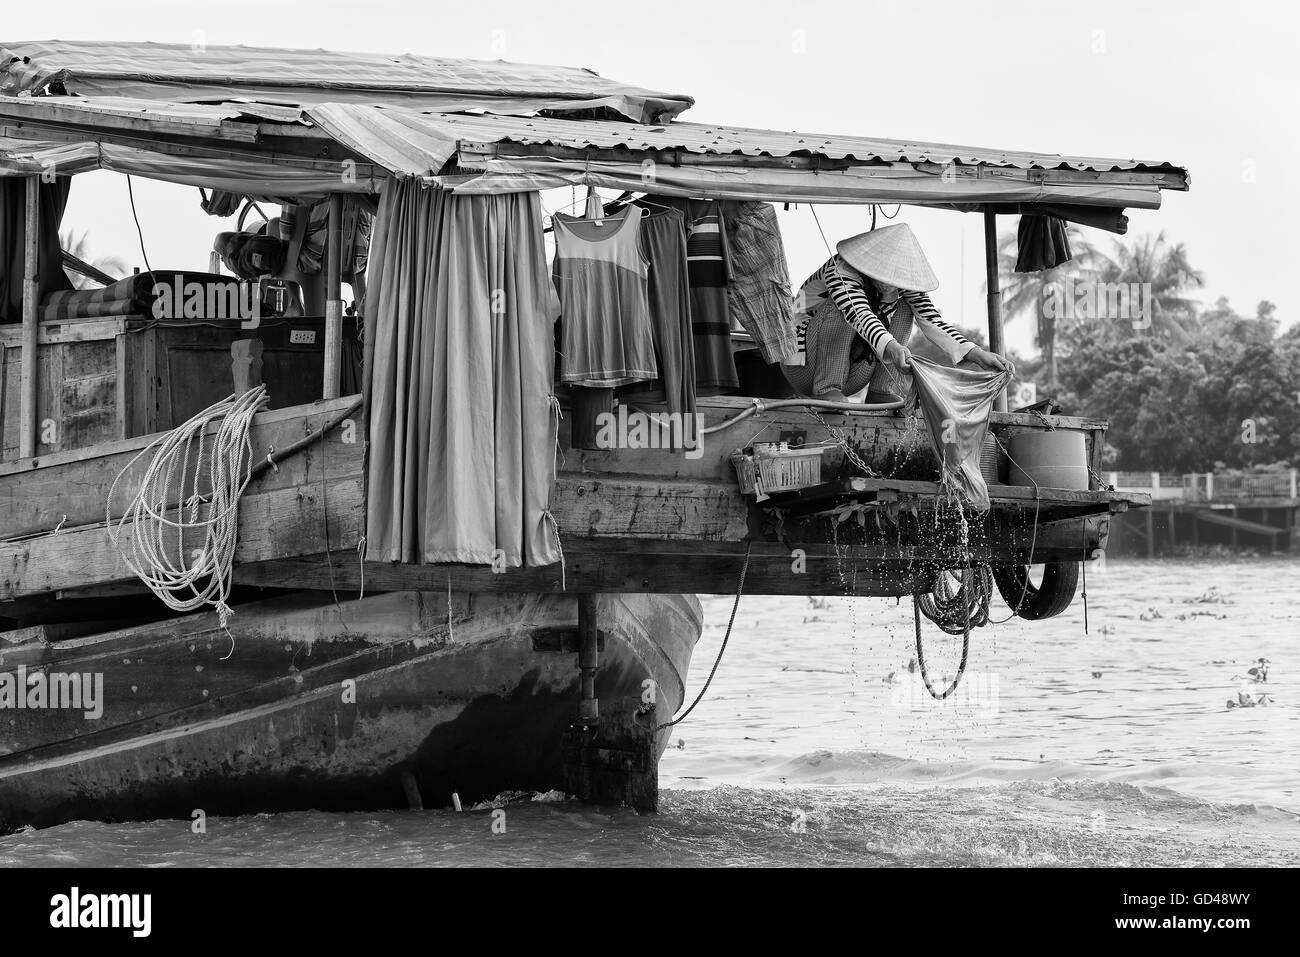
pixel 1210 87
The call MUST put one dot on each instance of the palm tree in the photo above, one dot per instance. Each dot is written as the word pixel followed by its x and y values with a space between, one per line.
pixel 1171 277
pixel 1024 293
pixel 78 246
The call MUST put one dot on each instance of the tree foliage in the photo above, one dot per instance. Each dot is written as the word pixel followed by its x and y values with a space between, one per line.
pixel 1224 392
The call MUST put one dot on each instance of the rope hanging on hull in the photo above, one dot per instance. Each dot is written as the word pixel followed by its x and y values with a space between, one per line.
pixel 954 610
pixel 157 542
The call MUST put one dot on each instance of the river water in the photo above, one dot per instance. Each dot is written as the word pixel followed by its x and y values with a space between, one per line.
pixel 817 745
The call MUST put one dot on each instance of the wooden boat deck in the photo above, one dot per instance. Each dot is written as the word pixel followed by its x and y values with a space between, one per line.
pixel 631 520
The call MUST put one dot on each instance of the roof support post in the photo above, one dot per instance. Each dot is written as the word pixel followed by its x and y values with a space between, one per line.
pixel 996 344
pixel 29 427
pixel 334 297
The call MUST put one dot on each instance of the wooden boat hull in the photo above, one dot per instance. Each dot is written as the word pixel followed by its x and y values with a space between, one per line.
pixel 318 705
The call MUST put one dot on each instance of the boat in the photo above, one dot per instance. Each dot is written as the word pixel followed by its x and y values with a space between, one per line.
pixel 472 678
pixel 392 700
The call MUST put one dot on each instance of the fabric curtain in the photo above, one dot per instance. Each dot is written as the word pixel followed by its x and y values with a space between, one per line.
pixel 459 353
pixel 13 240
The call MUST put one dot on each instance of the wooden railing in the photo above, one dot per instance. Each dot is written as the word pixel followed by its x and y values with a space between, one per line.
pixel 1209 486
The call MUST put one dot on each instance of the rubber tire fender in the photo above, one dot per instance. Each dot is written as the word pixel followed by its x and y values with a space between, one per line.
pixel 1053 596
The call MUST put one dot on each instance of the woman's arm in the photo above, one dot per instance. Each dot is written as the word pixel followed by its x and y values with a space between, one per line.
pixel 954 345
pixel 852 300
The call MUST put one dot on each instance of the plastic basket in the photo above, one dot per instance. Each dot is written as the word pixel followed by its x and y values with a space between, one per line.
pixel 783 469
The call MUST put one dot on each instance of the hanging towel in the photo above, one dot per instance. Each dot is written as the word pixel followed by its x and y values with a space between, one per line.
pixel 956 403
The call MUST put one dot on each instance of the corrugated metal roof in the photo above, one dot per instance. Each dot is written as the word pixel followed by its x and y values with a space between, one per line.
pixel 181 73
pixel 711 139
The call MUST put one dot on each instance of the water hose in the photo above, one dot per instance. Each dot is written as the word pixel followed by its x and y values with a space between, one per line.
pixel 762 405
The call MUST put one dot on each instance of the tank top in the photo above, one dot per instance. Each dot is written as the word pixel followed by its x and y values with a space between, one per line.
pixel 606 338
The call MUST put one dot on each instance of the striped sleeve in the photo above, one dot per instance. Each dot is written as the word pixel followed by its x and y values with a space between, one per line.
pixel 852 300
pixel 931 324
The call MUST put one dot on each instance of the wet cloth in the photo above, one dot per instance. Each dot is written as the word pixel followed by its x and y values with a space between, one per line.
pixel 709 269
pixel 759 296
pixel 458 380
pixel 956 404
pixel 663 241
pixel 601 275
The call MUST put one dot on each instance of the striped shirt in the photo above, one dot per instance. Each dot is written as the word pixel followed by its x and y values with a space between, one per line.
pixel 846 290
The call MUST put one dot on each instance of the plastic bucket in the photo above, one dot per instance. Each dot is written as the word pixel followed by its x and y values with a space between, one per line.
pixel 993 461
pixel 1056 459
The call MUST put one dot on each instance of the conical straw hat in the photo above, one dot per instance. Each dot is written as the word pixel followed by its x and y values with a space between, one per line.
pixel 892 255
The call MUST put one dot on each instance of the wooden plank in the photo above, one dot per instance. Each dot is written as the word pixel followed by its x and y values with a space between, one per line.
pixel 1014 495
pixel 1096 447
pixel 647 508
pixel 29 425
pixel 49 408
pixel 68 330
pixel 119 396
pixel 294 413
pixel 637 566
pixel 882 437
pixel 95 118
pixel 1258 528
pixel 72 488
pixel 333 296
pixel 367 174
pixel 274 524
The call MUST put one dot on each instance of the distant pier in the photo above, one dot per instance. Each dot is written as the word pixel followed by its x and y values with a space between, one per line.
pixel 1259 511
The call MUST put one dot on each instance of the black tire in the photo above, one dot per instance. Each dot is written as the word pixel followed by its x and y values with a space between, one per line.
pixel 1053 596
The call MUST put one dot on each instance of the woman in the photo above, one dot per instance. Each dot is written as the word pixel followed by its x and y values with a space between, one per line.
pixel 878 273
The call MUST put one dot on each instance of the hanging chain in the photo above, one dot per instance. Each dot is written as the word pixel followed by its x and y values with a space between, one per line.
pixel 1043 418
pixel 843 443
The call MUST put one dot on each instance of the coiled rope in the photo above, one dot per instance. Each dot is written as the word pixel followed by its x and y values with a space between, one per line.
pixel 954 609
pixel 154 545
pixel 920 656
pixel 952 606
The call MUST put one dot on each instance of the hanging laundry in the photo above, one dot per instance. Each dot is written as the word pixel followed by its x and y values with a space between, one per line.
pixel 709 269
pixel 1041 243
pixel 602 279
pixel 759 297
pixel 956 403
pixel 663 241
